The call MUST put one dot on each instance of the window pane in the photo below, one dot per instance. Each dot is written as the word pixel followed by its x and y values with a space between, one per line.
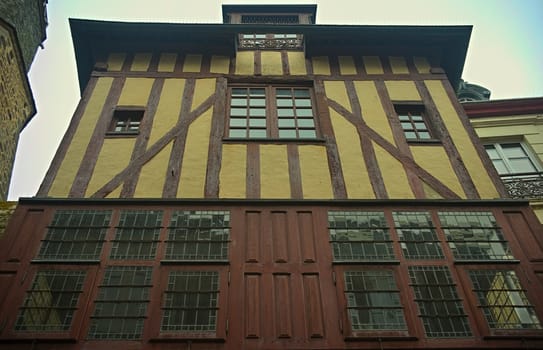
pixel 504 302
pixel 373 301
pixel 287 133
pixel 303 103
pixel 285 112
pixel 284 103
pixel 257 133
pixel 121 305
pixel 417 235
pixel 238 122
pixel 237 133
pixel 257 122
pixel 304 112
pixel 51 301
pixel 75 235
pixel 358 235
pixel 474 236
pixel 137 235
pixel 522 165
pixel 423 135
pixel 257 112
pixel 257 92
pixel 301 93
pixel 286 123
pixel 257 102
pixel 198 235
pixel 284 92
pixel 439 306
pixel 307 134
pixel 238 112
pixel 306 123
pixel 239 92
pixel 513 150
pixel 238 102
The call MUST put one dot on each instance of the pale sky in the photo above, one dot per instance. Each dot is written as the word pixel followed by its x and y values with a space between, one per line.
pixel 505 53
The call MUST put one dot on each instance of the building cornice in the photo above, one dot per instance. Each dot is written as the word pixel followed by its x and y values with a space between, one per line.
pixel 509 107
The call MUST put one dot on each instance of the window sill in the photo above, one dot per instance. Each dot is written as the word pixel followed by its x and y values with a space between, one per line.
pixel 273 140
pixel 193 262
pixel 380 336
pixel 519 334
pixel 124 134
pixel 423 142
pixel 67 261
pixel 366 262
pixel 486 262
pixel 187 337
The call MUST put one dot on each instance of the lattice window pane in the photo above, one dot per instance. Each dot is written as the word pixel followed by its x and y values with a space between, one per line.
pixel 191 302
pixel 137 235
pixel 373 301
pixel 75 235
pixel 358 235
pixel 413 123
pixel 417 235
pixel 503 300
pixel 50 303
pixel 121 305
pixel 474 236
pixel 440 308
pixel 198 235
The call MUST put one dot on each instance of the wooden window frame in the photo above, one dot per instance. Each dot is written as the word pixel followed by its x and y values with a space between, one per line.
pixel 126 114
pixel 271 111
pixel 402 241
pixel 409 112
pixel 511 172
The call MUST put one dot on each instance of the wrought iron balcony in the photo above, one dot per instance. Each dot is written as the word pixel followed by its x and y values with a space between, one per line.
pixel 524 185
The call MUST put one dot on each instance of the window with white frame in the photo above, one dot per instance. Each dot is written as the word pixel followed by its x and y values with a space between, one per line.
pixel 512 158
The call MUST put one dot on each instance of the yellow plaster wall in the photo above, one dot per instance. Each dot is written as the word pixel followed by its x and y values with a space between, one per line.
pixel 422 65
pixel 398 65
pixel 355 173
pixel 274 172
pixel 296 61
pixel 113 158
pixel 321 65
pixel 373 112
pixel 402 90
pixel 116 193
pixel 461 139
pixel 169 106
pixel 141 62
pixel 152 176
pixel 204 89
pixel 167 62
pixel 232 177
pixel 346 65
pixel 393 173
pixel 337 91
pixel 220 64
pixel 72 160
pixel 194 167
pixel 372 64
pixel 271 63
pixel 115 61
pixel 435 160
pixel 192 63
pixel 245 62
pixel 135 92
pixel 315 174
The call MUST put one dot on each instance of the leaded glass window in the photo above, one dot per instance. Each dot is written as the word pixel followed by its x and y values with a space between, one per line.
pixel 121 306
pixel 75 235
pixel 503 300
pixel 440 307
pixel 373 301
pixel 51 302
pixel 474 236
pixel 137 235
pixel 359 235
pixel 417 235
pixel 198 236
pixel 191 302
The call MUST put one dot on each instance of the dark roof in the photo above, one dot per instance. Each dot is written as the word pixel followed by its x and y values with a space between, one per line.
pixel 447 44
pixel 271 9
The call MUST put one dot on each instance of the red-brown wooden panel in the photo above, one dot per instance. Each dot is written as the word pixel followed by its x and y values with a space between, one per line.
pixel 280 237
pixel 252 305
pixel 525 235
pixel 313 300
pixel 252 236
pixel 307 236
pixel 283 305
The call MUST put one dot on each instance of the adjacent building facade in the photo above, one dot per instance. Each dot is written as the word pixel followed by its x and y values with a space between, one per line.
pixel 22 30
pixel 270 183
pixel 512 134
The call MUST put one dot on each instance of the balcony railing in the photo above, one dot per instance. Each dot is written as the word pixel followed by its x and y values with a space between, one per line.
pixel 524 185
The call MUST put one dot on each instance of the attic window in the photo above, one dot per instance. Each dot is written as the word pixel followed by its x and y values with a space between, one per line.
pixel 271 41
pixel 126 121
pixel 270 19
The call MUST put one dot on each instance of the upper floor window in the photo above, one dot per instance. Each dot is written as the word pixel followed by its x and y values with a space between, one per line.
pixel 275 41
pixel 413 121
pixel 261 112
pixel 270 19
pixel 511 158
pixel 126 121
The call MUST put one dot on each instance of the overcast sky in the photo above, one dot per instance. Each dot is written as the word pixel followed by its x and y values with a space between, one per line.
pixel 505 53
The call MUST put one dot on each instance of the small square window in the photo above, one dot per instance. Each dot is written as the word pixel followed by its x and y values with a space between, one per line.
pixel 126 122
pixel 414 122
